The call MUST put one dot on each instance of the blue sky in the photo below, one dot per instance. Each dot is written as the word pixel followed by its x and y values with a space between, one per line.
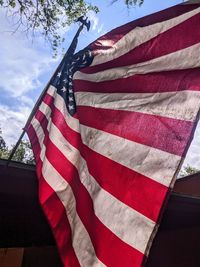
pixel 27 65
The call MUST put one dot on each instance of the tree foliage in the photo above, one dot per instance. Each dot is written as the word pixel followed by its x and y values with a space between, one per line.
pixel 188 170
pixel 130 3
pixel 3 148
pixel 2 142
pixel 23 154
pixel 49 17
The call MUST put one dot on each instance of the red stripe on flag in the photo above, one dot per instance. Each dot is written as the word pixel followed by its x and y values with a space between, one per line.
pixel 59 223
pixel 110 175
pixel 34 142
pixel 96 229
pixel 48 100
pixel 148 195
pixel 58 220
pixel 102 238
pixel 168 81
pixel 42 119
pixel 180 37
pixel 160 16
pixel 59 120
pixel 142 128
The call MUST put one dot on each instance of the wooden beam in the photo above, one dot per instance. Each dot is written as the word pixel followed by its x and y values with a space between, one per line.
pixel 11 257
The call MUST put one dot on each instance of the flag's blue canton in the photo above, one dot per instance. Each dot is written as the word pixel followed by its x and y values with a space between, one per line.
pixel 63 79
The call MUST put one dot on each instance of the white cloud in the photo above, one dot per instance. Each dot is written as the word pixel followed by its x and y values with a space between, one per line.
pixel 95 23
pixel 23 64
pixel 100 29
pixel 93 19
pixel 12 122
pixel 193 155
pixel 27 101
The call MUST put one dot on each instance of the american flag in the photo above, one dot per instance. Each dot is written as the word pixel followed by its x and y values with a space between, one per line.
pixel 110 135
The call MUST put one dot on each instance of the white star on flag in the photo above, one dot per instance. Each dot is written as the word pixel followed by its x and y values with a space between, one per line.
pixel 64 89
pixel 71 107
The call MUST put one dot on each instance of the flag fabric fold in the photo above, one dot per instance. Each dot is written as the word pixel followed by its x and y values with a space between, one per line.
pixel 110 134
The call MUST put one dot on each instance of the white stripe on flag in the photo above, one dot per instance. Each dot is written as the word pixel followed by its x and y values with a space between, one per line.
pixel 126 218
pixel 170 62
pixel 45 109
pixel 61 105
pixel 52 90
pixel 138 36
pixel 38 129
pixel 182 105
pixel 151 162
pixel 81 241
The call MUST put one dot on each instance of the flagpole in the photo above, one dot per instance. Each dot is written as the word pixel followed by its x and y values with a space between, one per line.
pixel 70 51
